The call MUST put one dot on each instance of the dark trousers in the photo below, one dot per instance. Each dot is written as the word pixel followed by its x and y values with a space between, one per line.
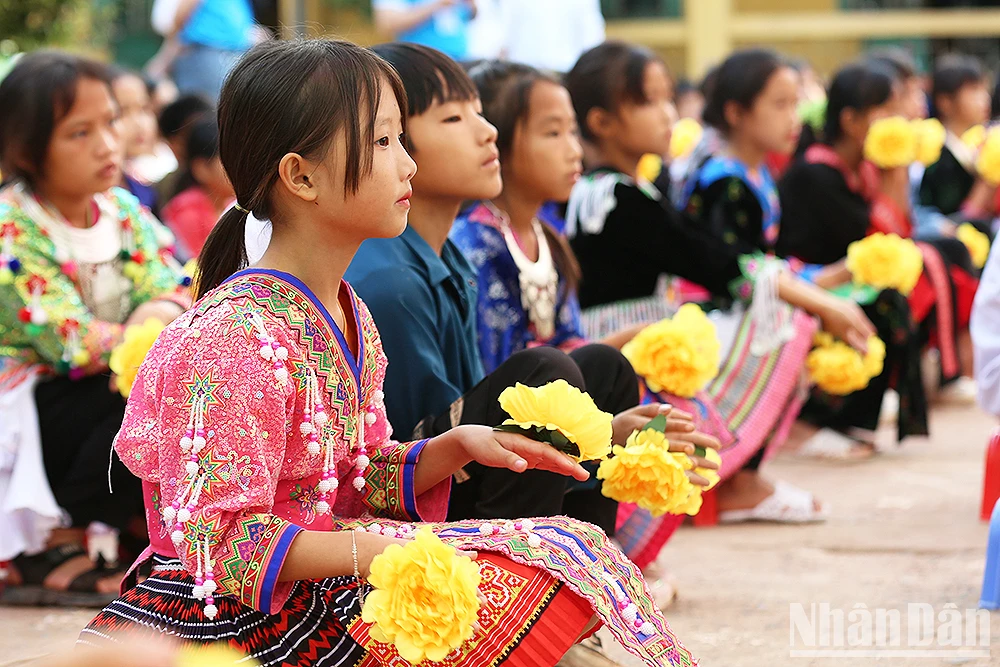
pixel 78 422
pixel 490 493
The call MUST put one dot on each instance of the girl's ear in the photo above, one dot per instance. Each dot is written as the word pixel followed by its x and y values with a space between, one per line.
pixel 600 122
pixel 732 113
pixel 294 173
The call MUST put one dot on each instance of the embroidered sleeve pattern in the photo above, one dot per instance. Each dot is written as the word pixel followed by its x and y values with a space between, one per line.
pixel 159 275
pixel 751 266
pixel 42 313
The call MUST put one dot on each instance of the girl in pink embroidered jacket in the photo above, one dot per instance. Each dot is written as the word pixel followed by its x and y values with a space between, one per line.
pixel 258 427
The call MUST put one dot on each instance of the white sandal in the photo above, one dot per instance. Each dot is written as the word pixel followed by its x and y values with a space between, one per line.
pixel 830 445
pixel 788 504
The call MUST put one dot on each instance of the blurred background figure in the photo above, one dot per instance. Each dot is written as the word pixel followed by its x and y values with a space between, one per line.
pixel 550 35
pixel 441 24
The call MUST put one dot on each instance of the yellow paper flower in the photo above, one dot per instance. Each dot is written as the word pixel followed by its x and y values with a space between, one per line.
pixel 679 355
pixel 711 475
pixel 988 162
pixel 646 473
pixel 885 261
pixel 128 355
pixel 977 243
pixel 891 143
pixel 559 406
pixel 685 136
pixel 425 600
pixel 974 136
pixel 191 272
pixel 218 654
pixel 930 134
pixel 839 369
pixel 650 166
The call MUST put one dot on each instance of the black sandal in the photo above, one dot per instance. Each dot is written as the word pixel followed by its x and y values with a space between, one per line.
pixel 82 591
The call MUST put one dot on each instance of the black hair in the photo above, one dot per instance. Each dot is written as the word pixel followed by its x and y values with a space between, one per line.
pixel 429 76
pixel 290 97
pixel 859 86
pixel 685 86
pixel 952 72
pixel 897 59
pixel 505 90
pixel 740 79
pixel 202 142
pixel 607 76
pixel 995 102
pixel 34 97
pixel 181 113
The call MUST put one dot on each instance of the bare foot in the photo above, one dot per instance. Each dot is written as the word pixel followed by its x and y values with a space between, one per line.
pixel 60 578
pixel 747 489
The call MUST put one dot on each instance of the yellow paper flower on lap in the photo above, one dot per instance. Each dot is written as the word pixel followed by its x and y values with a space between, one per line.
pixel 988 162
pixel 679 355
pixel 885 261
pixel 930 135
pixel 977 243
pixel 685 137
pixel 560 411
pixel 839 369
pixel 711 475
pixel 425 600
pixel 646 473
pixel 891 143
pixel 128 355
pixel 219 654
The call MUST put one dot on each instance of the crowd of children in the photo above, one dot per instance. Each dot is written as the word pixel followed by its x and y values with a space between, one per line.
pixel 387 240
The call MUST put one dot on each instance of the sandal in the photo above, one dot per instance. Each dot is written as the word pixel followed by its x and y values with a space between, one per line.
pixel 788 504
pixel 81 592
pixel 830 445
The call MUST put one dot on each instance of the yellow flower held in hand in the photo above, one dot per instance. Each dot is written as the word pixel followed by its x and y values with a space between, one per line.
pixel 646 473
pixel 711 475
pixel 885 261
pixel 218 654
pixel 977 243
pixel 650 166
pixel 559 406
pixel 930 135
pixel 679 355
pixel 425 600
pixel 891 143
pixel 974 136
pixel 685 137
pixel 127 357
pixel 839 369
pixel 988 162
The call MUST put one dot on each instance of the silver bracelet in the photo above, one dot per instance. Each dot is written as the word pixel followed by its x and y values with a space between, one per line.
pixel 354 553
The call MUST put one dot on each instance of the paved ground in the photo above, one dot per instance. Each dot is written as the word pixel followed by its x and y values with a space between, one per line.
pixel 904 530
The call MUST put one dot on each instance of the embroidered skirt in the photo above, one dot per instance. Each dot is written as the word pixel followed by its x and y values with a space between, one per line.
pixel 530 619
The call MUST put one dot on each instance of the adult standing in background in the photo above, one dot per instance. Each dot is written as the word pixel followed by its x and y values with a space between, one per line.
pixel 550 34
pixel 440 24
pixel 203 41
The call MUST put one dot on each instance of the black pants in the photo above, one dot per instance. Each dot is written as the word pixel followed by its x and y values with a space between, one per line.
pixel 78 422
pixel 491 493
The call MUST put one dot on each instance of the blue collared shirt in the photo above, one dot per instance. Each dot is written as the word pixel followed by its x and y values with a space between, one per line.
pixel 424 306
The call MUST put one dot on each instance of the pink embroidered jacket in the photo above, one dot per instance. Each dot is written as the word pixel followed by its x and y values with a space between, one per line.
pixel 260 484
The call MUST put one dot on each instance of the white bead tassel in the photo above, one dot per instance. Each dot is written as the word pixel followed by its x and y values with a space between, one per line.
pixel 771 322
pixel 38 315
pixel 362 461
pixel 271 350
pixel 211 611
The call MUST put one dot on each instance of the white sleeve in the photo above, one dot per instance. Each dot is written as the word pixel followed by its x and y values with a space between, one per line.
pixel 394 5
pixel 164 15
pixel 985 329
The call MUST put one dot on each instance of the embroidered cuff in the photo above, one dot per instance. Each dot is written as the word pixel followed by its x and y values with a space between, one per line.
pixel 257 549
pixel 390 489
pixel 751 266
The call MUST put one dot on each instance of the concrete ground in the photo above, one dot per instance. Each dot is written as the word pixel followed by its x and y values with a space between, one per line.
pixel 904 529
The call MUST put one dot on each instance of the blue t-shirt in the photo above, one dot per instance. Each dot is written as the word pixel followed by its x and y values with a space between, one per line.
pixel 446 31
pixel 220 24
pixel 424 306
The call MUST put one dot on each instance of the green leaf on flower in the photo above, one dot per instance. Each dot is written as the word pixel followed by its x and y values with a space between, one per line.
pixel 657 423
pixel 541 434
pixel 700 451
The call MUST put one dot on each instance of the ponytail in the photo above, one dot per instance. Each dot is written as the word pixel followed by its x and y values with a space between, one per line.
pixel 224 253
pixel 562 257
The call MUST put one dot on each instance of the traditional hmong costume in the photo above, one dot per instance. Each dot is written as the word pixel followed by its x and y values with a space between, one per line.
pixel 251 420
pixel 627 237
pixel 64 295
pixel 827 206
pixel 742 207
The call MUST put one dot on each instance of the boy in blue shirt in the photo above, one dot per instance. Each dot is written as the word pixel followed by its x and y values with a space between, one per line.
pixel 439 24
